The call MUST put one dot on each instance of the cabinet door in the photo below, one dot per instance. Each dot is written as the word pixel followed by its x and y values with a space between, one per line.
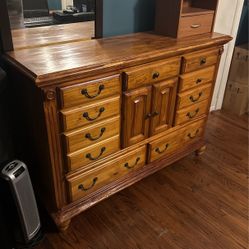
pixel 136 113
pixel 163 106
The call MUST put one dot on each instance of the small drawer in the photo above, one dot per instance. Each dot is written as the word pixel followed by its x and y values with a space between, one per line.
pixel 89 91
pixel 151 73
pixel 165 145
pixel 195 79
pixel 92 134
pixel 193 131
pixel 90 114
pixel 93 153
pixel 193 96
pixel 94 179
pixel 191 112
pixel 199 60
pixel 195 25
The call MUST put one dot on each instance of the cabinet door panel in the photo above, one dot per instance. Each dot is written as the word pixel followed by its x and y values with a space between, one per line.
pixel 163 106
pixel 136 106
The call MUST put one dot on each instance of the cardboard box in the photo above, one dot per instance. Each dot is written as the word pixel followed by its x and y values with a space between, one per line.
pixel 236 98
pixel 239 65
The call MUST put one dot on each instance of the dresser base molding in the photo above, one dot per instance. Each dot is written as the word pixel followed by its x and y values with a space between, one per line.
pixel 63 217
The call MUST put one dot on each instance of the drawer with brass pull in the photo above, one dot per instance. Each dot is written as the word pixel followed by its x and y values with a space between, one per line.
pixel 191 97
pixel 165 145
pixel 194 131
pixel 196 79
pixel 89 91
pixel 92 180
pixel 89 114
pixel 92 134
pixel 199 60
pixel 191 112
pixel 195 25
pixel 151 73
pixel 92 154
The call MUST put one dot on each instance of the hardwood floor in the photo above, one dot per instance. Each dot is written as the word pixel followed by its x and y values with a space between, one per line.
pixel 197 203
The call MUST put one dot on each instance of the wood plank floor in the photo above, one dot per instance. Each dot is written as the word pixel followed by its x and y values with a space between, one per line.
pixel 197 203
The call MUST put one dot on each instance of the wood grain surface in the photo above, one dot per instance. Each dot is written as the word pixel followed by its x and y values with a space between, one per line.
pixel 199 202
pixel 49 64
pixel 54 34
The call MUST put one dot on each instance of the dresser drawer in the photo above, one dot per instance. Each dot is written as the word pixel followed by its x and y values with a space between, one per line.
pixel 194 96
pixel 195 25
pixel 93 153
pixel 196 79
pixel 165 145
pixel 89 114
pixel 96 178
pixel 193 131
pixel 92 134
pixel 199 60
pixel 90 91
pixel 191 112
pixel 151 73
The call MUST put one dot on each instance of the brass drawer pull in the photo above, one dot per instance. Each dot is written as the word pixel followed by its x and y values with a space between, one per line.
pixel 161 152
pixel 89 136
pixel 195 26
pixel 155 114
pixel 82 188
pixel 131 167
pixel 198 81
pixel 193 136
pixel 156 75
pixel 193 99
pixel 85 92
pixel 148 115
pixel 86 115
pixel 193 114
pixel 89 156
pixel 203 61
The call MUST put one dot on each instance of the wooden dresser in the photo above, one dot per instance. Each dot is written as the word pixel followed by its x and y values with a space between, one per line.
pixel 94 117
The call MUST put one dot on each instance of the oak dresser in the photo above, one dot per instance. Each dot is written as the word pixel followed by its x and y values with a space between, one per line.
pixel 96 116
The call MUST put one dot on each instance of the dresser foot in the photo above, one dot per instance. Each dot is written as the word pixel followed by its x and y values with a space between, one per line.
pixel 201 151
pixel 64 226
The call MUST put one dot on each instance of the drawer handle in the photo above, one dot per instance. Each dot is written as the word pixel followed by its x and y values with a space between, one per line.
pixel 195 99
pixel 193 136
pixel 156 75
pixel 195 26
pixel 161 152
pixel 148 115
pixel 89 156
pixel 193 114
pixel 89 136
pixel 131 167
pixel 82 188
pixel 85 92
pixel 203 61
pixel 198 81
pixel 155 114
pixel 86 115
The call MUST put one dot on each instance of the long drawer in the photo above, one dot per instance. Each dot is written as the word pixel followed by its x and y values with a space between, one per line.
pixel 89 114
pixel 190 113
pixel 93 153
pixel 196 79
pixel 92 180
pixel 194 96
pixel 92 134
pixel 87 92
pixel 170 143
pixel 151 73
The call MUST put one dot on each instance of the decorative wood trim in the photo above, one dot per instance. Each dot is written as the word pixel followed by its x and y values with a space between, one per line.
pixel 5 29
pixel 55 149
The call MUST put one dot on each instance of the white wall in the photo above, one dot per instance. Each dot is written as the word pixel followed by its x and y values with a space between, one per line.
pixel 227 22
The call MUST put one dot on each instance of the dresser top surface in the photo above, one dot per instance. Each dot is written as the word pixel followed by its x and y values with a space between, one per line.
pixel 48 63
